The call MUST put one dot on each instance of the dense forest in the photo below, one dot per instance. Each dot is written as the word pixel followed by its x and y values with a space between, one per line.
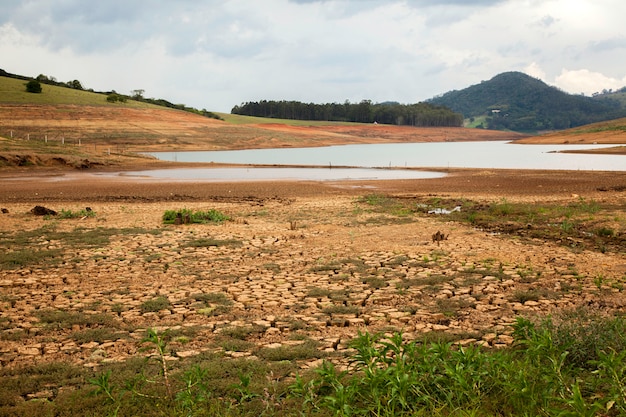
pixel 420 114
pixel 516 101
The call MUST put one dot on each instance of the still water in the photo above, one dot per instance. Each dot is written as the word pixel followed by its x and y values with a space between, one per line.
pixel 364 158
pixel 423 155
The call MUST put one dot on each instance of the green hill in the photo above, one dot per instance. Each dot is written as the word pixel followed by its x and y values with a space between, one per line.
pixel 13 91
pixel 518 102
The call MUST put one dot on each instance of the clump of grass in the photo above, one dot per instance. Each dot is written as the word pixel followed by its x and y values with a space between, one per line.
pixel 20 258
pixel 100 335
pixel 340 309
pixel 241 332
pixel 318 292
pixel 213 298
pixel 307 350
pixel 375 282
pixel 207 242
pixel 60 319
pixel 190 216
pixel 69 214
pixel 154 305
pixel 215 304
pixel 523 296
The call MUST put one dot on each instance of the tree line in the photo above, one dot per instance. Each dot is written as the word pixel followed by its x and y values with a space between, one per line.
pixel 419 114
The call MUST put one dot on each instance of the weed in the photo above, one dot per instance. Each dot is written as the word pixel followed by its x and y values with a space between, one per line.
pixel 523 296
pixel 605 232
pixel 241 332
pixel 190 216
pixel 69 214
pixel 317 292
pixel 307 350
pixel 213 298
pixel 154 305
pixel 20 258
pixel 207 242
pixel 100 335
pixel 375 282
pixel 340 309
pixel 60 319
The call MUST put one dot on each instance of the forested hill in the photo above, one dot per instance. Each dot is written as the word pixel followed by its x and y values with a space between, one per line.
pixel 516 101
pixel 420 114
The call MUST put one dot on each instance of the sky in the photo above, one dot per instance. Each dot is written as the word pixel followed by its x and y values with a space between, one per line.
pixel 215 54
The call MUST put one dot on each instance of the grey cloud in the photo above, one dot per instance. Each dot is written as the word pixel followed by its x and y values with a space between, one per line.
pixel 409 2
pixel 608 44
pixel 547 21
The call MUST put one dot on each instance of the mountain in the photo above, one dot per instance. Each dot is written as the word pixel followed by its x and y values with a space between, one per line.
pixel 518 102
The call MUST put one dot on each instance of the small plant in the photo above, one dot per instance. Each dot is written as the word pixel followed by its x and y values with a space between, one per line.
pixel 160 344
pixel 524 296
pixel 207 242
pixel 154 305
pixel 69 214
pixel 186 216
pixel 605 232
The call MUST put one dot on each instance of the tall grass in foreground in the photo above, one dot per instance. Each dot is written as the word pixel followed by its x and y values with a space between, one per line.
pixel 538 376
pixel 573 365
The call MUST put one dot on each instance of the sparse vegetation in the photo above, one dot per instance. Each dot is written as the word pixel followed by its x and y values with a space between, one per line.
pixel 186 216
pixel 155 305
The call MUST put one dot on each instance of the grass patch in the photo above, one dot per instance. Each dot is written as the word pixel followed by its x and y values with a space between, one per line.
pixel 100 335
pixel 307 350
pixel 69 214
pixel 570 364
pixel 60 319
pixel 25 257
pixel 208 242
pixel 155 305
pixel 186 216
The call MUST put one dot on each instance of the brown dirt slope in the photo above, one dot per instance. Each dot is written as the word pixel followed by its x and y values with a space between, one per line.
pixel 141 129
pixel 609 132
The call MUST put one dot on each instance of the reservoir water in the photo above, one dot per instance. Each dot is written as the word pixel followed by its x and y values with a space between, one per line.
pixel 422 155
pixel 499 154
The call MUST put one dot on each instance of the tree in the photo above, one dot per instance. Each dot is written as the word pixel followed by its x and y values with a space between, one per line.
pixel 138 94
pixel 33 86
pixel 75 84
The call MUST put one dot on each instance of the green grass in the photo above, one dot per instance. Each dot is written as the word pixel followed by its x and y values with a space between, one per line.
pixel 60 319
pixel 30 247
pixel 572 364
pixel 237 119
pixel 69 214
pixel 13 91
pixel 154 305
pixel 187 216
pixel 581 224
pixel 207 242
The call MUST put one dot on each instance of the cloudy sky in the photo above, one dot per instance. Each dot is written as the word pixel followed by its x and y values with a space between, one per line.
pixel 215 54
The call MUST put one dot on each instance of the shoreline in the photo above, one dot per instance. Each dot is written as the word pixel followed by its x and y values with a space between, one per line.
pixel 65 185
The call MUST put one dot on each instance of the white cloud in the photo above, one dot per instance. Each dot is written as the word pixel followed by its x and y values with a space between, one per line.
pixel 586 82
pixel 214 54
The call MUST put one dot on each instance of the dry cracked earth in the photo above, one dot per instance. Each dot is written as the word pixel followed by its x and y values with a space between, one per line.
pixel 284 273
